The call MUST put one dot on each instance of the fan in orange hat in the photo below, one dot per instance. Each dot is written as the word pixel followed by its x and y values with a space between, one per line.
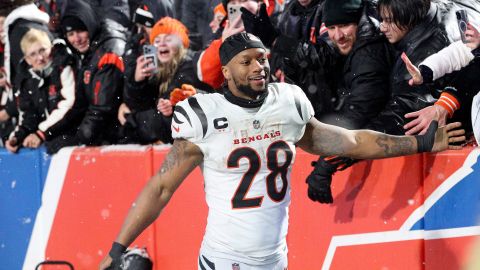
pixel 170 26
pixel 219 14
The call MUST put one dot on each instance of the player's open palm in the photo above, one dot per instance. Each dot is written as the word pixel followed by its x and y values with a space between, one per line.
pixel 105 263
pixel 446 136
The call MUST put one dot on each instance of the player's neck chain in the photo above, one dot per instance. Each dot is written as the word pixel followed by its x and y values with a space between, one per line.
pixel 242 102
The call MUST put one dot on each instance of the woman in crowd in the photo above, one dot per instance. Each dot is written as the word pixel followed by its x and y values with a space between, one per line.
pixel 458 65
pixel 46 94
pixel 413 27
pixel 146 114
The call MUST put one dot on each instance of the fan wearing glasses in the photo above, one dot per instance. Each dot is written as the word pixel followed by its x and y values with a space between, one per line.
pixel 45 93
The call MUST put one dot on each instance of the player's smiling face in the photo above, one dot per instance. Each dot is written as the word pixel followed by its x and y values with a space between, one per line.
pixel 248 73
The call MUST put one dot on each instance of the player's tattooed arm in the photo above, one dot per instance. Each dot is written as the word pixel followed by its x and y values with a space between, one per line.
pixel 323 139
pixel 183 157
pixel 179 153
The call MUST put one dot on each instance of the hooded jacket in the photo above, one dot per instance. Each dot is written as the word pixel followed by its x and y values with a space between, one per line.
pixel 99 75
pixel 46 99
pixel 16 24
pixel 425 39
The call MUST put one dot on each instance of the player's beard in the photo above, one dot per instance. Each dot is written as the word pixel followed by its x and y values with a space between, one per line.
pixel 249 91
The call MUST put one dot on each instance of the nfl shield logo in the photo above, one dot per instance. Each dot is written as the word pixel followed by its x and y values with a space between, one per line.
pixel 86 76
pixel 235 266
pixel 256 124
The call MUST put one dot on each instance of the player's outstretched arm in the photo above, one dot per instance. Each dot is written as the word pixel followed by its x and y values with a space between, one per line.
pixel 183 157
pixel 323 139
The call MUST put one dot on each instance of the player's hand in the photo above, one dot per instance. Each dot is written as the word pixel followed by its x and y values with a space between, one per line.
pixel 165 107
pixel 232 28
pixel 472 36
pixel 122 110
pixel 423 118
pixel 447 135
pixel 106 263
pixel 32 141
pixel 143 70
pixel 417 78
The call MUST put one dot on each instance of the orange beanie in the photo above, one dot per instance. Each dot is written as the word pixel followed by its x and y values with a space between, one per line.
pixel 219 9
pixel 170 26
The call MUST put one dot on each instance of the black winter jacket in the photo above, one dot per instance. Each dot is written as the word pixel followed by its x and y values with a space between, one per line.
pixel 99 75
pixel 304 53
pixel 423 40
pixel 362 83
pixel 46 99
pixel 148 124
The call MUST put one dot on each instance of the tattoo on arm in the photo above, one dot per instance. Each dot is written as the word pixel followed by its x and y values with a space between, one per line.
pixel 174 157
pixel 395 146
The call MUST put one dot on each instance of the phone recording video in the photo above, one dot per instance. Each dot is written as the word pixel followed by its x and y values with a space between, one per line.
pixel 233 12
pixel 150 53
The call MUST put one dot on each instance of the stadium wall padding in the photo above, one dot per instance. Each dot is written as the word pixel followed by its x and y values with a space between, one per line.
pixel 415 212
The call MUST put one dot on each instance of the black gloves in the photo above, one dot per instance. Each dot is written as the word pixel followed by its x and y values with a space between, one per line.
pixel 306 56
pixel 259 25
pixel 320 178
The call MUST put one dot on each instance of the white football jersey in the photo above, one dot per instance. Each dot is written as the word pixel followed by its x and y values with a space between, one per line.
pixel 248 156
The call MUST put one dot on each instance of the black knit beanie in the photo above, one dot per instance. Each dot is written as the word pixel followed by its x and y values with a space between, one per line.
pixel 341 12
pixel 72 23
pixel 234 44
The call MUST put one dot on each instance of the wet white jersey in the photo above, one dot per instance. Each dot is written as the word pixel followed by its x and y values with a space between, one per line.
pixel 248 156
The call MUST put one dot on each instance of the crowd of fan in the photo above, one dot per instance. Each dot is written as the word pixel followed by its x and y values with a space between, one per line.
pixel 79 72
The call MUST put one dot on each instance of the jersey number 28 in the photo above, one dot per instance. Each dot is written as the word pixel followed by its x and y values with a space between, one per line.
pixel 239 199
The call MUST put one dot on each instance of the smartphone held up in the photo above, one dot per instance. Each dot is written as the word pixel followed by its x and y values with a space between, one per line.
pixel 150 53
pixel 233 12
pixel 462 20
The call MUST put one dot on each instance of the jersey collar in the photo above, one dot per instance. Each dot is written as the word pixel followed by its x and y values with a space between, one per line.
pixel 242 102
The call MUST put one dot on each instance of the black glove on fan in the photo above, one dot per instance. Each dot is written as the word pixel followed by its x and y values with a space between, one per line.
pixel 259 25
pixel 320 179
